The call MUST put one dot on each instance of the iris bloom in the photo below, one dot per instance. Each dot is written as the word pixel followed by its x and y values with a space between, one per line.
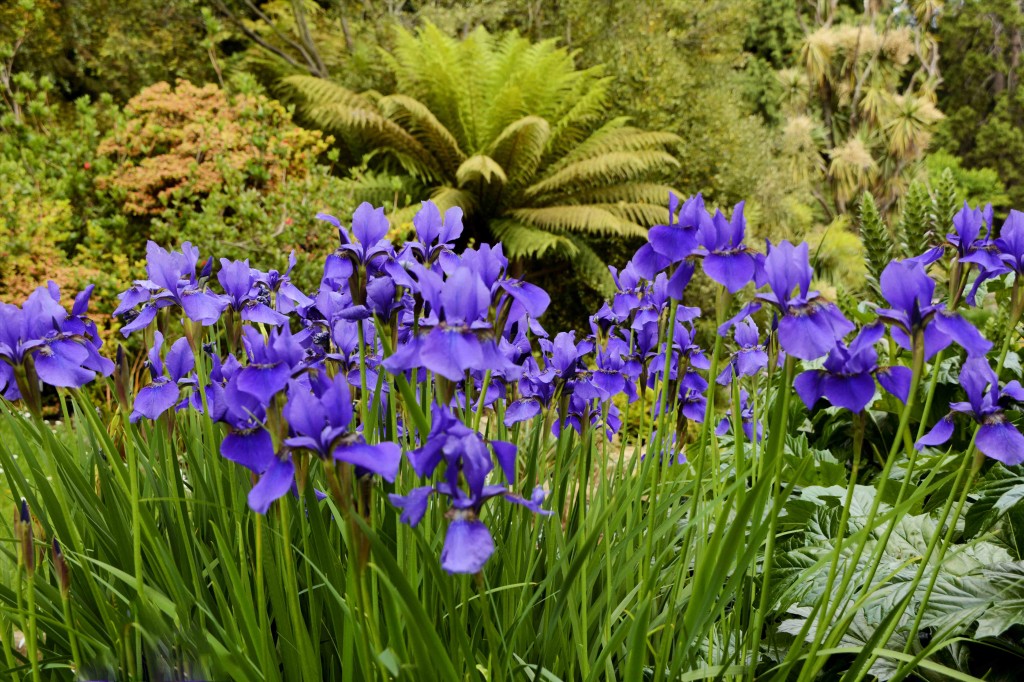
pixel 986 402
pixel 468 544
pixel 750 358
pixel 848 378
pixel 64 348
pixel 173 280
pixel 164 391
pixel 909 291
pixel 321 422
pixel 249 300
pixel 726 258
pixel 808 327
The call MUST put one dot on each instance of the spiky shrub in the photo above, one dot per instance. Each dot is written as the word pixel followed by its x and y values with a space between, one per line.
pixel 875 236
pixel 946 203
pixel 508 130
pixel 914 225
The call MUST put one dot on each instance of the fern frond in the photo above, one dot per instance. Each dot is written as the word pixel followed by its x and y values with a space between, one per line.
pixel 415 117
pixel 588 220
pixel 915 222
pixel 639 213
pixel 379 134
pixel 591 268
pixel 630 192
pixel 523 241
pixel 519 149
pixel 310 91
pixel 480 167
pixel 612 167
pixel 445 197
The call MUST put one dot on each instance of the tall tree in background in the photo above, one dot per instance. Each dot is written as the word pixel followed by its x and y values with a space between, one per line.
pixel 982 43
pixel 859 103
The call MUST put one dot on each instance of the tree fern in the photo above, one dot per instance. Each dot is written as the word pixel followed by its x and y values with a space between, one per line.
pixel 509 130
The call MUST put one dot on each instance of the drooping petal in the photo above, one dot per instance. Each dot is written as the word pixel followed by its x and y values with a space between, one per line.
pixel 155 399
pixel 60 364
pixel 732 270
pixel 808 386
pixel 467 546
pixel 381 459
pixel 449 352
pixel 521 410
pixel 849 392
pixel 253 449
pixel 896 380
pixel 963 332
pixel 180 360
pixel 939 434
pixel 807 337
pixel 1001 441
pixel 506 454
pixel 413 505
pixel 273 484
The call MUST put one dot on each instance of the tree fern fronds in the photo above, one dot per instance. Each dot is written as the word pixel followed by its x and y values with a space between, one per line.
pixel 592 269
pixel 579 219
pixel 414 116
pixel 523 241
pixel 480 167
pixel 609 167
pixel 313 91
pixel 631 192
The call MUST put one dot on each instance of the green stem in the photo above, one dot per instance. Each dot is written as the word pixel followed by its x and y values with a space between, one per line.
pixel 776 448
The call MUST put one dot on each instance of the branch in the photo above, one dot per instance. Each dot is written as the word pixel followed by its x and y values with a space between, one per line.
pixel 259 40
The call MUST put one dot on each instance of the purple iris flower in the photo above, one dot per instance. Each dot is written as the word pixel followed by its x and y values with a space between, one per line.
pixel 750 358
pixel 746 419
pixel 459 308
pixel 571 374
pixel 536 388
pixel 272 362
pixel 809 327
pixel 64 348
pixel 971 247
pixel 616 372
pixel 579 411
pixel 321 421
pixel 173 280
pixel 909 291
pixel 435 236
pixel 250 301
pixel 674 242
pixel 726 258
pixel 1011 242
pixel 684 351
pixel 997 437
pixel 164 391
pixel 468 543
pixel 369 228
pixel 463 451
pixel 848 378
pixel 287 296
pixel 248 442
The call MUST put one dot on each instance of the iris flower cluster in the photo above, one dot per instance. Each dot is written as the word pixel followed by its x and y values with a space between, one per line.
pixel 324 375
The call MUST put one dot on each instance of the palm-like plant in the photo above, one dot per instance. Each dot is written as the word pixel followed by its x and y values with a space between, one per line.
pixel 509 130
